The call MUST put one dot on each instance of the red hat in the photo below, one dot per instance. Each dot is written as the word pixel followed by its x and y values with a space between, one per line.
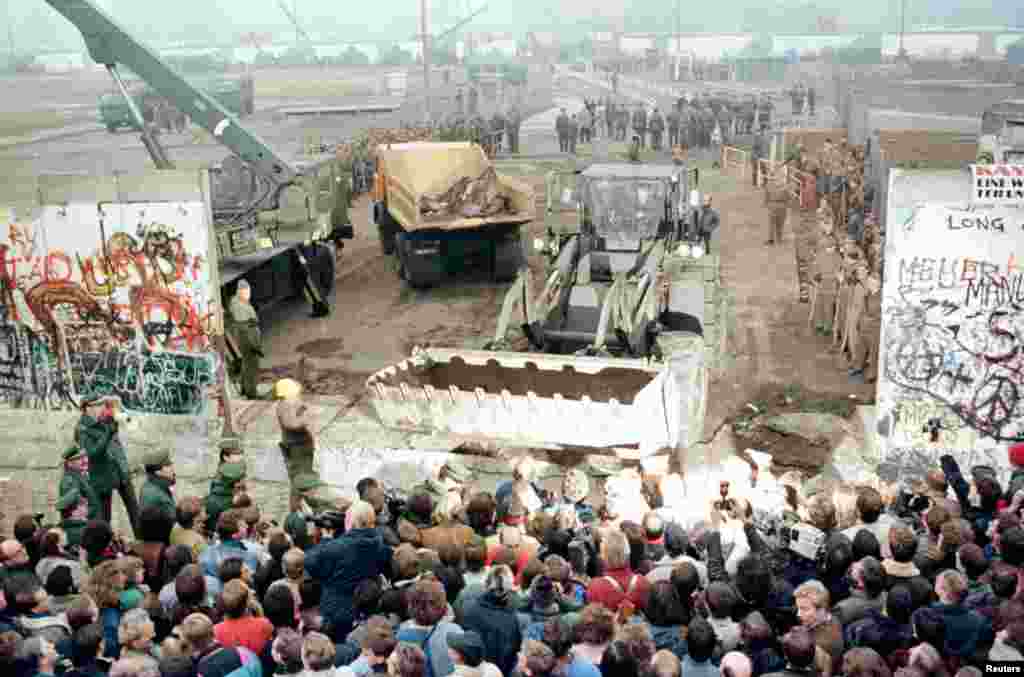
pixel 1017 454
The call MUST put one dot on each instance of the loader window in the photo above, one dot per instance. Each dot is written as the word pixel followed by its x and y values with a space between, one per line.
pixel 626 211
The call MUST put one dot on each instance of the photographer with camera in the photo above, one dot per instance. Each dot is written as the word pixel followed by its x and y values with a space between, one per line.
pixel 97 434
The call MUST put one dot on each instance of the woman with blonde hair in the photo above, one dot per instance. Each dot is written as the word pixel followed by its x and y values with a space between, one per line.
pixel 105 587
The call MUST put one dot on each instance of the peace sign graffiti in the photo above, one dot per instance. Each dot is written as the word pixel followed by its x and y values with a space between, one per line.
pixel 916 361
pixel 995 401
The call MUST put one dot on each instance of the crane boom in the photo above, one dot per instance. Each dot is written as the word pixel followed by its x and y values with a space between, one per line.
pixel 295 22
pixel 111 44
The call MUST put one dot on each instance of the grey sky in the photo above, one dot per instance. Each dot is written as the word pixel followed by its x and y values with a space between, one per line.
pixel 35 23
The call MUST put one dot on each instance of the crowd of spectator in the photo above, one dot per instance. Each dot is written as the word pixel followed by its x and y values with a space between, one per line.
pixel 453 580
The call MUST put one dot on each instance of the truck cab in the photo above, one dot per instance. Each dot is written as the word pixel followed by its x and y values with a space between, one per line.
pixel 1002 133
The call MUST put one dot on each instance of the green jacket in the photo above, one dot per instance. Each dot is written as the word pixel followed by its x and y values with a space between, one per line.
pixel 108 465
pixel 73 529
pixel 245 325
pixel 218 501
pixel 74 480
pixel 157 491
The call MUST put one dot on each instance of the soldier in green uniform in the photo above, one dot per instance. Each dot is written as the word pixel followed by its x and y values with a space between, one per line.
pixel 451 477
pixel 96 434
pixel 229 482
pixel 73 507
pixel 158 488
pixel 245 326
pixel 297 442
pixel 513 122
pixel 76 476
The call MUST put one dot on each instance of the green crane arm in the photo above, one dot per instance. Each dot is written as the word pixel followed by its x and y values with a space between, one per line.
pixel 110 44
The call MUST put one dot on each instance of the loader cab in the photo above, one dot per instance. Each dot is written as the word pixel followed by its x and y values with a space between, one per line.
pixel 625 207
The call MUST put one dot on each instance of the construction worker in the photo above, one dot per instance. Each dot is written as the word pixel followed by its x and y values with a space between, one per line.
pixel 245 327
pixel 297 442
pixel 657 125
pixel 562 129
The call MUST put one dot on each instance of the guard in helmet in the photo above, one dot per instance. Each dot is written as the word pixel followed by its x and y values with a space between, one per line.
pixel 297 442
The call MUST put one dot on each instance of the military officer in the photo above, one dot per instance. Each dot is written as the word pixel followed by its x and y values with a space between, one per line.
pixel 228 484
pixel 673 128
pixel 73 507
pixel 640 124
pixel 245 325
pixel 158 487
pixel 562 129
pixel 573 133
pixel 97 435
pixel 657 125
pixel 514 121
pixel 76 476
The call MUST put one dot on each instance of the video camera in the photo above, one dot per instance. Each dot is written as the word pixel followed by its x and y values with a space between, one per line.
pixel 803 539
pixel 909 506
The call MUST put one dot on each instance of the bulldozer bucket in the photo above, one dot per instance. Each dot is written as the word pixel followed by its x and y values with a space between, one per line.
pixel 529 398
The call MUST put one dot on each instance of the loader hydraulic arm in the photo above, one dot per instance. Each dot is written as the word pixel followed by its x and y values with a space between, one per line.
pixel 110 44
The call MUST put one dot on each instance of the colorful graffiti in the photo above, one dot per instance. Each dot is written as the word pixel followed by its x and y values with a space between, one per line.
pixel 952 353
pixel 108 299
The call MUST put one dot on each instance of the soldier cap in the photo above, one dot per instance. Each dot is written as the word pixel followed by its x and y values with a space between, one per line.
pixel 69 499
pixel 233 472
pixel 242 284
pixel 157 459
pixel 73 452
pixel 287 388
pixel 230 443
pixel 307 482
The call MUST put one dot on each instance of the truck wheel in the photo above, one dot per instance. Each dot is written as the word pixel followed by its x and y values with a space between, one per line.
pixel 508 258
pixel 387 238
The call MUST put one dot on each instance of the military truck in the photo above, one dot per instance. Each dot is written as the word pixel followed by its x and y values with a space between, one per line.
pixel 115 113
pixel 1002 133
pixel 441 209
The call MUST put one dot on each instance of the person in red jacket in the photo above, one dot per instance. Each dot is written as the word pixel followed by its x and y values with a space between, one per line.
pixel 619 588
pixel 239 628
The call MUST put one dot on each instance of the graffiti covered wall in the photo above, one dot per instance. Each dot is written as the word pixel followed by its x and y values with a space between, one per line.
pixel 107 299
pixel 951 377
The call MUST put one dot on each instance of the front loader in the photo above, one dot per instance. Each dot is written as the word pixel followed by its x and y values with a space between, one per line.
pixel 622 335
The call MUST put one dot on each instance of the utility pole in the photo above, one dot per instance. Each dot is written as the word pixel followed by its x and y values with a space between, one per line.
pixel 679 40
pixel 903 26
pixel 426 60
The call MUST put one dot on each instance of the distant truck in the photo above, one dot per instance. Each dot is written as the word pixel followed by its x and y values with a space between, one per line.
pixel 1002 133
pixel 441 208
pixel 236 95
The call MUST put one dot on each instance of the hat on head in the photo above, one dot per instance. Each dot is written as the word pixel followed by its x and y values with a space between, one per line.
pixel 295 526
pixel 1016 453
pixel 242 284
pixel 157 459
pixel 233 472
pixel 307 482
pixel 230 443
pixel 90 400
pixel 287 388
pixel 470 645
pixel 73 452
pixel 69 499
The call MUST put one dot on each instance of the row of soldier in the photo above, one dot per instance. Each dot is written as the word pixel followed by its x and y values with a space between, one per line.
pixel 500 132
pixel 696 123
pixel 838 247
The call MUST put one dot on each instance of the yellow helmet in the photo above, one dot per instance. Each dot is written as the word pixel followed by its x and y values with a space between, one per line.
pixel 287 389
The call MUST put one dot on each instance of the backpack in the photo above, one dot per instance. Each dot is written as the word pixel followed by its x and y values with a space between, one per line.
pixel 629 588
